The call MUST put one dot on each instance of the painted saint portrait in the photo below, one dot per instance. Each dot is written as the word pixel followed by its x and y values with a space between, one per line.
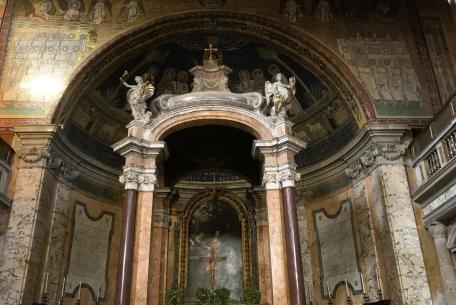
pixel 214 248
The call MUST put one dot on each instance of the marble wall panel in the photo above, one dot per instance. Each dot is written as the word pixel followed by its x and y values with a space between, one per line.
pixel 4 218
pixel 366 234
pixel 94 207
pixel 305 252
pixel 56 245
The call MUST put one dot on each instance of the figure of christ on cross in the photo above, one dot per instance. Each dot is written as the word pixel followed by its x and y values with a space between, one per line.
pixel 210 50
pixel 212 259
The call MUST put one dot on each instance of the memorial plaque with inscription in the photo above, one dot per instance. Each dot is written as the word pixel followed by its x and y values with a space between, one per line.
pixel 338 259
pixel 89 252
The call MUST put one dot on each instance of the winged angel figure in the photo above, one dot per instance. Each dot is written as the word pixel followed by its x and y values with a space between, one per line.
pixel 280 94
pixel 137 96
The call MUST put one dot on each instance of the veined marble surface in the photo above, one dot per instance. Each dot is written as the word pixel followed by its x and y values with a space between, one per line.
pixel 366 234
pixel 22 257
pixel 406 273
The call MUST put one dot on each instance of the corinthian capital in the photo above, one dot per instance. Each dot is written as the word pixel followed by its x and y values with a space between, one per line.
pixel 391 151
pixel 33 154
pixel 147 180
pixel 353 170
pixel 130 178
pixel 288 176
pixel 139 178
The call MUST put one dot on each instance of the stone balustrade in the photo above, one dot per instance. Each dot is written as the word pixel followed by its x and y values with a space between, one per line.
pixel 434 149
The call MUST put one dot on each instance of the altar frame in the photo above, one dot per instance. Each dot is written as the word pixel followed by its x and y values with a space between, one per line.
pixel 245 219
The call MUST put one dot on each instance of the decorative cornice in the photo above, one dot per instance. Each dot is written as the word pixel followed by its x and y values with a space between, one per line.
pixel 70 173
pixel 438 230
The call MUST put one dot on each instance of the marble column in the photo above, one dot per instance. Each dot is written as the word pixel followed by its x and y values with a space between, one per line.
pixel 279 170
pixel 140 179
pixel 22 258
pixel 406 277
pixel 447 269
pixel 125 261
pixel 293 245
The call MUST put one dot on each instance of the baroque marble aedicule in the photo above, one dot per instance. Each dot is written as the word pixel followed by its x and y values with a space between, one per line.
pixel 210 85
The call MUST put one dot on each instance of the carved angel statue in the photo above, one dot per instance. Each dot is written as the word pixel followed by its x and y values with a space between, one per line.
pixel 280 94
pixel 137 96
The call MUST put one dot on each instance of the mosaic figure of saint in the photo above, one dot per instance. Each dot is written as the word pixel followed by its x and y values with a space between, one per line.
pixel 132 9
pixel 324 13
pixel 72 14
pixel 182 82
pixel 167 85
pixel 245 81
pixel 99 12
pixel 258 81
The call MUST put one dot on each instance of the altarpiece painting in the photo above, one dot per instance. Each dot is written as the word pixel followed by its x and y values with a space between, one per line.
pixel 215 247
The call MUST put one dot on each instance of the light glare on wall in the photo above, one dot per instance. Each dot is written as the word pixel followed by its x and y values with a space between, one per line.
pixel 46 85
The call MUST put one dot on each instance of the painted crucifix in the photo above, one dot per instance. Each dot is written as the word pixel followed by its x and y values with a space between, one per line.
pixel 212 259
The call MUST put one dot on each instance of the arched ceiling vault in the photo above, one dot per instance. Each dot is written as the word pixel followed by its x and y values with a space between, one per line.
pixel 327 126
pixel 298 45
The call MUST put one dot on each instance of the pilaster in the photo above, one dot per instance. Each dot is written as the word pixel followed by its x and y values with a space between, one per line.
pixel 364 219
pixel 447 270
pixel 404 273
pixel 31 213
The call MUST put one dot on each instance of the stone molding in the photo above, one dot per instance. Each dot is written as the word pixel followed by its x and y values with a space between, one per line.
pixel 372 135
pixel 451 244
pixel 261 217
pixel 139 178
pixel 133 144
pixel 380 144
pixel 161 218
pixel 437 230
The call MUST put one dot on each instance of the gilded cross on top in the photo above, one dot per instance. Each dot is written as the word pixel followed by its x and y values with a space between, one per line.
pixel 210 50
